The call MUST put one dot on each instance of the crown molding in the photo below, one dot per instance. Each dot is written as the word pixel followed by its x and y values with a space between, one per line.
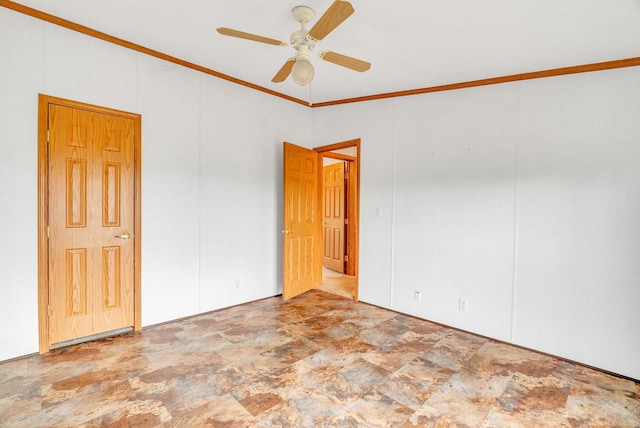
pixel 586 68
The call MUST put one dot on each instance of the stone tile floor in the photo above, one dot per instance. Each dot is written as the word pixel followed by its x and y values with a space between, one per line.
pixel 318 360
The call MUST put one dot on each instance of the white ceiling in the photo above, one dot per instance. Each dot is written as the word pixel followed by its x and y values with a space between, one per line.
pixel 411 43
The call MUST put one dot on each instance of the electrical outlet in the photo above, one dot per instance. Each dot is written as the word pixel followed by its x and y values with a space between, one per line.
pixel 237 284
pixel 417 296
pixel 462 305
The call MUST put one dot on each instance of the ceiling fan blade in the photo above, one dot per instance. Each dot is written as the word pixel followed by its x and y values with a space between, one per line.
pixel 242 35
pixel 284 72
pixel 346 61
pixel 334 16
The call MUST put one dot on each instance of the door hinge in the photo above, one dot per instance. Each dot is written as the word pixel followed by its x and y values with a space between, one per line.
pixel 47 135
pixel 49 310
pixel 48 235
pixel 346 221
pixel 346 258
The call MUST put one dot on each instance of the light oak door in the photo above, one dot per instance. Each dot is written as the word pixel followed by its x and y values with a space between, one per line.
pixel 302 234
pixel 91 222
pixel 333 218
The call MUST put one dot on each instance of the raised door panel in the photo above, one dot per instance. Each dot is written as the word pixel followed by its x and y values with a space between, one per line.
pixel 76 192
pixel 111 274
pixel 76 282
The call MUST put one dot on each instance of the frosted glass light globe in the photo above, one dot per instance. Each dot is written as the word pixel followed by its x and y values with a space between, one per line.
pixel 302 72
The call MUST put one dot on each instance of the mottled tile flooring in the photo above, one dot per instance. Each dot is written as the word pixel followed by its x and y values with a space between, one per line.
pixel 319 360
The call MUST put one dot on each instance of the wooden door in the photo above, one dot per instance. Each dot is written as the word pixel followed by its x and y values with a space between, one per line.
pixel 91 222
pixel 333 218
pixel 302 234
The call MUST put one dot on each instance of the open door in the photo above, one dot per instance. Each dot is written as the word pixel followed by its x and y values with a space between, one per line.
pixel 302 242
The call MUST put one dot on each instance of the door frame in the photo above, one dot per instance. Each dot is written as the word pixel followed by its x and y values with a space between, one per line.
pixel 43 211
pixel 353 207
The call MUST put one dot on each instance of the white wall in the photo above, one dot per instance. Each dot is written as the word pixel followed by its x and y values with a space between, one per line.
pixel 521 198
pixel 578 211
pixel 21 78
pixel 211 173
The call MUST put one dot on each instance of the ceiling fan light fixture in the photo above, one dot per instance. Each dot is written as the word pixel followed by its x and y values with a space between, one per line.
pixel 302 72
pixel 304 41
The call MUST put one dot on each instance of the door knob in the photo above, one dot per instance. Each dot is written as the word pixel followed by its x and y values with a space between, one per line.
pixel 125 235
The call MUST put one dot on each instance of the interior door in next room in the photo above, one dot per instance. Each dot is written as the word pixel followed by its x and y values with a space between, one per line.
pixel 333 218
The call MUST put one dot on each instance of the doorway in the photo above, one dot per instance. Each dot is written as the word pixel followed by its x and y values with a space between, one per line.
pixel 302 246
pixel 88 221
pixel 340 220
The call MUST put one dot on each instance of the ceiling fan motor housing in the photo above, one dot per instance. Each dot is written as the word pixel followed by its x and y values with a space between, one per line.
pixel 301 38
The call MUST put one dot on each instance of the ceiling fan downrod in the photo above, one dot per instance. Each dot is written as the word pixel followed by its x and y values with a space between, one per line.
pixel 302 71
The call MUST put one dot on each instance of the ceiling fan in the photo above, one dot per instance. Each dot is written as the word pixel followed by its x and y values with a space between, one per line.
pixel 304 41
